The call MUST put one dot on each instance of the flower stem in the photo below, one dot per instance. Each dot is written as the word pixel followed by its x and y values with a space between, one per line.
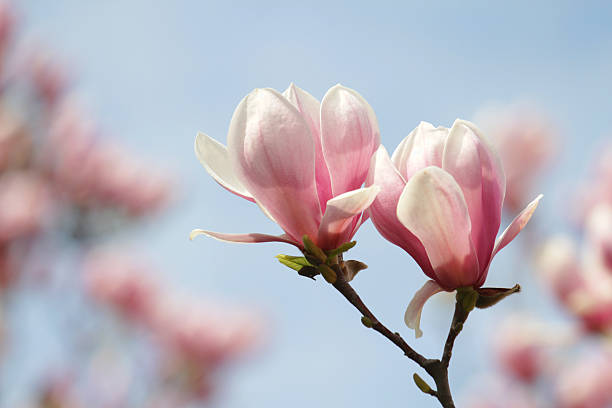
pixel 437 369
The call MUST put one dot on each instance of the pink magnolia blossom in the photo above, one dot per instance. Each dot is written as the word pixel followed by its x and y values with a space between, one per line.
pixel 97 173
pixel 581 282
pixel 585 383
pixel 122 282
pixel 493 392
pixel 523 345
pixel 24 203
pixel 441 201
pixel 204 333
pixel 15 141
pixel 7 23
pixel 599 233
pixel 597 188
pixel 303 162
pixel 526 142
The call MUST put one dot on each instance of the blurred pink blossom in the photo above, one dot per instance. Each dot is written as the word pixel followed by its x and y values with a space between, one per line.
pixel 441 200
pixel 586 382
pixel 580 281
pixel 118 280
pixel 15 141
pixel 596 189
pixel 599 233
pixel 25 204
pixel 526 141
pixel 7 23
pixel 203 332
pixel 523 345
pixel 96 173
pixel 49 77
pixel 492 392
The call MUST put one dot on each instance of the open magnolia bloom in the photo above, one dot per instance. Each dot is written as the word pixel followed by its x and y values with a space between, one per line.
pixel 441 201
pixel 303 162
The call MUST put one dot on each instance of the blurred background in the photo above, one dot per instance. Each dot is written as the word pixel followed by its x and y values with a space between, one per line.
pixel 104 301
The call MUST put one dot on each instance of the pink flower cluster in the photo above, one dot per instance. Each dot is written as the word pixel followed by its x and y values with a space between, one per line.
pixel 304 163
pixel 196 337
pixel 96 173
pixel 581 281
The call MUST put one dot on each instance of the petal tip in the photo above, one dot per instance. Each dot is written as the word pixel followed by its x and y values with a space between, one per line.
pixel 195 233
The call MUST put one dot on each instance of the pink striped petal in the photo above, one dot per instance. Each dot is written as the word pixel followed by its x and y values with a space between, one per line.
pixel 270 146
pixel 383 210
pixel 421 148
pixel 213 156
pixel 512 231
pixel 349 136
pixel 339 218
pixel 243 238
pixel 476 167
pixel 433 208
pixel 412 317
pixel 310 108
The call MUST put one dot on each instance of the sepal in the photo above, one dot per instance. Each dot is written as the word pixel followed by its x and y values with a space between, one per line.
pixel 488 297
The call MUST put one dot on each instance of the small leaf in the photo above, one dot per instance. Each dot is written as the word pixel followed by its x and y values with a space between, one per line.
pixel 287 262
pixel 488 297
pixel 313 253
pixel 423 386
pixel 341 249
pixel 467 297
pixel 328 273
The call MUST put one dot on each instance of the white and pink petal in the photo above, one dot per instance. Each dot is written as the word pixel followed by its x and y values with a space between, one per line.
pixel 349 136
pixel 475 165
pixel 433 208
pixel 337 225
pixel 249 238
pixel 270 146
pixel 412 317
pixel 383 210
pixel 214 157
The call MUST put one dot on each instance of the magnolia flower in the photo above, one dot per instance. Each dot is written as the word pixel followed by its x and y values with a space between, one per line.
pixel 303 162
pixel 441 201
pixel 585 383
pixel 581 282
pixel 599 233
pixel 523 345
pixel 122 282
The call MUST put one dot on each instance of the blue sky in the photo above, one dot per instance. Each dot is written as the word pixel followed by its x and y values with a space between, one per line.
pixel 155 72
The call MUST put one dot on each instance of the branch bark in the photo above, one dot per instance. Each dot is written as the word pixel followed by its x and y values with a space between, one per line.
pixel 436 368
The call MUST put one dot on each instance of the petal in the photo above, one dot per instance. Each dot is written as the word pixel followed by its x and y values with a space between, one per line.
pixel 310 108
pixel 271 148
pixel 243 238
pixel 338 221
pixel 349 136
pixel 412 317
pixel 213 156
pixel 513 229
pixel 476 167
pixel 432 207
pixel 421 148
pixel 383 210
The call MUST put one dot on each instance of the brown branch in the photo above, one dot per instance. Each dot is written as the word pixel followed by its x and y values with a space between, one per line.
pixel 437 369
pixel 459 319
pixel 349 293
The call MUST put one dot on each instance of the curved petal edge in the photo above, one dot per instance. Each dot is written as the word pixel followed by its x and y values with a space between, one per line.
pixel 412 317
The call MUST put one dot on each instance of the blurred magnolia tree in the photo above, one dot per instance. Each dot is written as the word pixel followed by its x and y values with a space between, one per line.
pixel 66 189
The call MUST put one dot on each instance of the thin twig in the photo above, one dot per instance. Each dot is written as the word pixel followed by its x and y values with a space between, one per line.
pixel 437 369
